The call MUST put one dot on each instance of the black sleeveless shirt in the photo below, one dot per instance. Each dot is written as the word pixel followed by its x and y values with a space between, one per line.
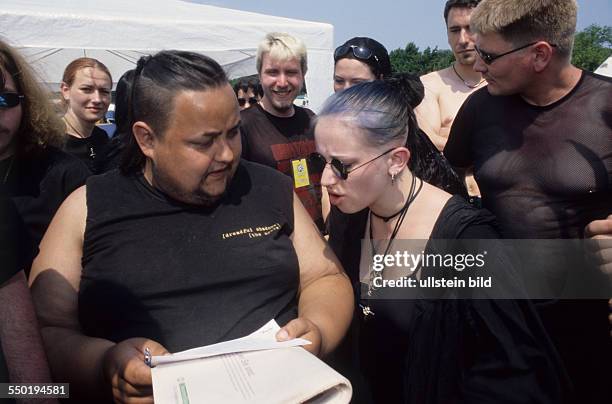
pixel 184 275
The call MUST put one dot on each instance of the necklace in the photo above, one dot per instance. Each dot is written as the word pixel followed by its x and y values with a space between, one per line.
pixel 8 170
pixel 387 218
pixel 92 153
pixel 74 129
pixel 468 85
pixel 412 195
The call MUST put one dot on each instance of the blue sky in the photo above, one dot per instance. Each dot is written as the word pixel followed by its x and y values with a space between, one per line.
pixel 392 22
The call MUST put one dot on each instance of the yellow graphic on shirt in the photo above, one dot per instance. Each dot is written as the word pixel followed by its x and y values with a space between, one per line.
pixel 300 173
pixel 250 232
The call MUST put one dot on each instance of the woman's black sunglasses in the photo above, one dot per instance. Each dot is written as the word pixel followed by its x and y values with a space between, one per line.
pixel 10 100
pixel 317 162
pixel 242 101
pixel 358 51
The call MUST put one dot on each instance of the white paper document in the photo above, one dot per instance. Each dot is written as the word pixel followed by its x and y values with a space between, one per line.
pixel 264 338
pixel 252 369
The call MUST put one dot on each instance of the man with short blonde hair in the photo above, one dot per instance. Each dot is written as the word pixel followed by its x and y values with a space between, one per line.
pixel 276 132
pixel 282 46
pixel 527 21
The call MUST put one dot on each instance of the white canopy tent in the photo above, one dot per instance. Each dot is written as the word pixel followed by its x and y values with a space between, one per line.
pixel 118 32
pixel 606 68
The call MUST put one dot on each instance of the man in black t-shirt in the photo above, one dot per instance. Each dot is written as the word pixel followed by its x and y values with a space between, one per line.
pixel 199 246
pixel 539 139
pixel 277 133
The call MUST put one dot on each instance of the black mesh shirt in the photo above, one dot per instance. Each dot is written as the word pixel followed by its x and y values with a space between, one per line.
pixel 545 172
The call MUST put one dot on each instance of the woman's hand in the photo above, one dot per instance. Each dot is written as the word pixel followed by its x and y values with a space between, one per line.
pixel 126 372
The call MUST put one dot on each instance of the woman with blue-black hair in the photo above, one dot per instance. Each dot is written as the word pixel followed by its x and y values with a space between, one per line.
pixel 412 348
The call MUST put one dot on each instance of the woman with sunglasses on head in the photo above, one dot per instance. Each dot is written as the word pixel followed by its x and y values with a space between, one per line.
pixel 363 59
pixel 360 59
pixel 418 350
pixel 86 92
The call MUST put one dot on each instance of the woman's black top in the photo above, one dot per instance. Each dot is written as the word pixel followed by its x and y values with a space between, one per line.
pixel 96 151
pixel 38 183
pixel 11 239
pixel 445 350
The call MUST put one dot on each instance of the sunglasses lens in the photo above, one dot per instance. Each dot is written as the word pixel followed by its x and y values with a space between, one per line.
pixel 241 102
pixel 486 57
pixel 341 51
pixel 362 53
pixel 339 169
pixel 316 162
pixel 252 100
pixel 9 100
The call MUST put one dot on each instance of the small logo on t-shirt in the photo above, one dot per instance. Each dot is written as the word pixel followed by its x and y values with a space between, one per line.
pixel 252 232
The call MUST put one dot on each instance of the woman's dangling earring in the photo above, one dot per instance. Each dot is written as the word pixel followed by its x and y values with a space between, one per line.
pixel 392 178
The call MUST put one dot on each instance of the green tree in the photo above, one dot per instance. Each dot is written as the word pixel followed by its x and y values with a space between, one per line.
pixel 592 46
pixel 412 60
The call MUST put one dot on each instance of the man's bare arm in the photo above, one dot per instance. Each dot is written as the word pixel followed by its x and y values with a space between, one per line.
pixel 429 115
pixel 94 367
pixel 325 305
pixel 21 342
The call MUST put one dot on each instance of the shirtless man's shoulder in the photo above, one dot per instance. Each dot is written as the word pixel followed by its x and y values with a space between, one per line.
pixel 433 113
pixel 445 92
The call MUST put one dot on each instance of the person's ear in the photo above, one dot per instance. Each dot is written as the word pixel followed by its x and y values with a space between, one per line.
pixel 542 54
pixel 65 91
pixel 398 160
pixel 145 138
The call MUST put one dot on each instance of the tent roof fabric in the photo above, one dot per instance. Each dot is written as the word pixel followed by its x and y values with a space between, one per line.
pixel 606 68
pixel 117 32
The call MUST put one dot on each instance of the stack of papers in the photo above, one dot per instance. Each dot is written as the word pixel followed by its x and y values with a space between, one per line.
pixel 252 369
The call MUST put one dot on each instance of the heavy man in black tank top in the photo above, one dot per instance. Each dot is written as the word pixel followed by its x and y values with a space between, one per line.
pixel 539 139
pixel 187 245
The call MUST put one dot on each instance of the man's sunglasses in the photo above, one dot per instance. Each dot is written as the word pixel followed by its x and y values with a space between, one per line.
pixel 489 58
pixel 318 163
pixel 358 51
pixel 242 101
pixel 10 100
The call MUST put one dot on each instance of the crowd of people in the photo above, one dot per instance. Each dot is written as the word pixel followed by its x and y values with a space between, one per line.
pixel 215 208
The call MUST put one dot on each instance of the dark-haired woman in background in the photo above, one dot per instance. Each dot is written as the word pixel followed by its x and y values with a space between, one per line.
pixel 86 91
pixel 419 351
pixel 363 59
pixel 248 93
pixel 360 59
